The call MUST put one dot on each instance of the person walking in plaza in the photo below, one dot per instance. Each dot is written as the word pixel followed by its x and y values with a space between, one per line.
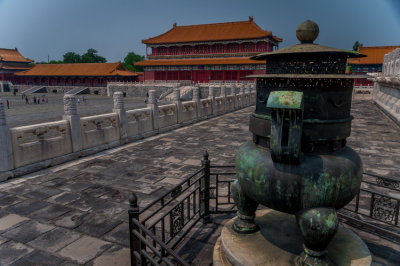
pixel 26 99
pixel 34 99
pixel 8 104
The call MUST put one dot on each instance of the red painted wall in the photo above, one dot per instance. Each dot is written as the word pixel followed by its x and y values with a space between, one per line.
pixel 233 47
pixel 201 75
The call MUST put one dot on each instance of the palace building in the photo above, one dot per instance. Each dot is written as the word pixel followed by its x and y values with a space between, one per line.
pixel 207 52
pixel 79 74
pixel 370 64
pixel 11 62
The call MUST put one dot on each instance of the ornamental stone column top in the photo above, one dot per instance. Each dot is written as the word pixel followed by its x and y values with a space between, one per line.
pixel 152 97
pixel 223 90
pixel 118 100
pixel 177 95
pixel 210 91
pixel 70 105
pixel 3 120
pixel 196 93
pixel 241 89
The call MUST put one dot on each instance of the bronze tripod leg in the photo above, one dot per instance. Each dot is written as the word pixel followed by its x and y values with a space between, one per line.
pixel 244 223
pixel 318 226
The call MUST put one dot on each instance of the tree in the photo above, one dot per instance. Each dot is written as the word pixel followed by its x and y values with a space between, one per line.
pixel 91 56
pixel 132 58
pixel 357 45
pixel 72 57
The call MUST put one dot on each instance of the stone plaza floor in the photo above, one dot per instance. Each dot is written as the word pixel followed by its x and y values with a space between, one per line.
pixel 22 114
pixel 76 213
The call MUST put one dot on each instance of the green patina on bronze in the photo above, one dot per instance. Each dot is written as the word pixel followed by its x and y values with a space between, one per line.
pixel 285 99
pixel 262 116
pixel 298 161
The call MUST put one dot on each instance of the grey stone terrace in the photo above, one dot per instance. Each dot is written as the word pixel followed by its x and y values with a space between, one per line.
pixel 76 213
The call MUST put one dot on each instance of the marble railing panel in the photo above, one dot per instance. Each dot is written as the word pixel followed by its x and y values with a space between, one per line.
pixel 230 103
pixel 40 142
pixel 188 111
pixel 205 108
pixel 139 121
pixel 167 115
pixel 219 105
pixel 99 129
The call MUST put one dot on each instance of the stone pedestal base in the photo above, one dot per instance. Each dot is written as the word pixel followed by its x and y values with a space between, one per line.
pixel 279 243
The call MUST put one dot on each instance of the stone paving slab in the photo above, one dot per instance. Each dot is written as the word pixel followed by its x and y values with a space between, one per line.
pixel 54 240
pixel 115 256
pixel 12 251
pixel 84 249
pixel 27 231
pixel 39 258
pixel 86 201
pixel 10 220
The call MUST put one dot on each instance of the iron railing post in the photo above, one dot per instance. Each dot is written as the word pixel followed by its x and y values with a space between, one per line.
pixel 133 213
pixel 206 191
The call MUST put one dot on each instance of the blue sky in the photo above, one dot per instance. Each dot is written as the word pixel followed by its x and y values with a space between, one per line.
pixel 42 28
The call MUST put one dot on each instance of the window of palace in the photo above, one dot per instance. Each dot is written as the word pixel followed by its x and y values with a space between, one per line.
pixel 248 47
pixel 260 46
pixel 233 47
pixel 187 49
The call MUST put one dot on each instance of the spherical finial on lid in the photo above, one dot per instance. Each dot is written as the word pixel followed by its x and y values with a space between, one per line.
pixel 307 31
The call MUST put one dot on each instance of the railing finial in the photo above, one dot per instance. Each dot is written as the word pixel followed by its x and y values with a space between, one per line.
pixel 205 155
pixel 133 200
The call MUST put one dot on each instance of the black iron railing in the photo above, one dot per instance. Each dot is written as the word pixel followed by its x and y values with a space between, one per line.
pixel 158 229
pixel 376 207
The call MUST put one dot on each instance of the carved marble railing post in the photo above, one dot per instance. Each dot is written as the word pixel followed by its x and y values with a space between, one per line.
pixel 386 92
pixel 109 90
pixel 6 153
pixel 247 88
pixel 241 89
pixel 71 114
pixel 241 93
pixel 153 104
pixel 233 93
pixel 177 101
pixel 223 95
pixel 247 92
pixel 119 109
pixel 211 96
pixel 253 94
pixel 196 99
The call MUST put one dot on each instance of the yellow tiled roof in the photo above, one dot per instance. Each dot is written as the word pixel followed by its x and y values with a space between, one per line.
pixel 12 55
pixel 80 69
pixel 212 32
pixel 199 61
pixel 374 54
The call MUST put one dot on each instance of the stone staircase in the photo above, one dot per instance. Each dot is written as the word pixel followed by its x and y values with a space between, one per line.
pixel 35 89
pixel 186 94
pixel 78 90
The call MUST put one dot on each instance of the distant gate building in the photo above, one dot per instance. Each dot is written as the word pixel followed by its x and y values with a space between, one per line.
pixel 207 52
pixel 370 64
pixel 79 74
pixel 11 62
